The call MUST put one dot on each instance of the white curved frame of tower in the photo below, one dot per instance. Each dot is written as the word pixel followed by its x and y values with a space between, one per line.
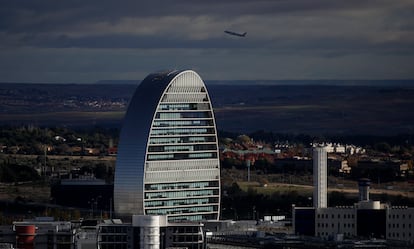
pixel 168 161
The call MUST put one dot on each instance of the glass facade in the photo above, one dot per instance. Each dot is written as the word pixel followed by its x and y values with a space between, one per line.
pixel 178 171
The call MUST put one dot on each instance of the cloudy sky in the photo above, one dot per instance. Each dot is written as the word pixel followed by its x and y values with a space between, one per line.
pixel 86 41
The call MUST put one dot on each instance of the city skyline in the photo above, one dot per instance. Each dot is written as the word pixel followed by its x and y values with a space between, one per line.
pixel 84 42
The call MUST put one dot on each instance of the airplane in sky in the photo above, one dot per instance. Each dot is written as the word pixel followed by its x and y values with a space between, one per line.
pixel 235 33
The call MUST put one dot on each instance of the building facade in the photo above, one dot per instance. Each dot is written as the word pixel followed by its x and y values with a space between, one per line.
pixel 167 161
pixel 39 234
pixel 149 231
pixel 320 177
pixel 365 219
pixel 145 231
pixel 400 223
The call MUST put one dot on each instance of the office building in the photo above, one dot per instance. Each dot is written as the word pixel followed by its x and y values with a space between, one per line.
pixel 167 162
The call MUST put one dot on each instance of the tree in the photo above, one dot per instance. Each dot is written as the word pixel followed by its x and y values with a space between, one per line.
pixel 234 190
pixel 100 171
pixel 383 147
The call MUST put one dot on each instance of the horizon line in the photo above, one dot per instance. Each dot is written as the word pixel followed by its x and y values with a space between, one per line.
pixel 241 82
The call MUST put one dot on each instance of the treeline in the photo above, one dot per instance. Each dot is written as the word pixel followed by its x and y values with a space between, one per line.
pixel 32 140
pixel 19 210
pixel 10 173
pixel 384 172
pixel 380 143
pixel 239 204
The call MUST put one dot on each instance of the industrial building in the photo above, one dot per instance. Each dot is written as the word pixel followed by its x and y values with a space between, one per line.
pixel 39 233
pixel 365 219
pixel 168 160
pixel 145 231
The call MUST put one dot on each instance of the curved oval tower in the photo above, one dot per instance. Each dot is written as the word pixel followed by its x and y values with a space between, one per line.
pixel 168 162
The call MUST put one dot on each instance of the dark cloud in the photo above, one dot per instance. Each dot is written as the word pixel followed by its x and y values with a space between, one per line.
pixel 302 32
pixel 129 41
pixel 326 46
pixel 43 15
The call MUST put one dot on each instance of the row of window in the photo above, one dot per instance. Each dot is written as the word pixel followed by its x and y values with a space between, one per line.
pixel 397 216
pixel 181 156
pixel 113 229
pixel 188 83
pixel 188 238
pixel 177 88
pixel 345 225
pixel 181 131
pixel 113 238
pixel 182 210
pixel 397 225
pixel 174 203
pixel 177 148
pixel 351 216
pixel 196 217
pixel 187 230
pixel 349 225
pixel 184 106
pixel 186 185
pixel 181 140
pixel 202 155
pixel 181 194
pixel 332 216
pixel 177 123
pixel 397 235
pixel 182 175
pixel 183 115
pixel 166 167
pixel 185 98
pixel 180 202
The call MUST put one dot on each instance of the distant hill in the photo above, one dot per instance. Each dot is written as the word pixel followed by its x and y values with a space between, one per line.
pixel 409 82
pixel 311 109
pixel 118 82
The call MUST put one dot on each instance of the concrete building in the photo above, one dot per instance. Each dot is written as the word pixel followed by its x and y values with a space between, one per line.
pixel 366 219
pixel 148 231
pixel 320 177
pixel 145 231
pixel 40 233
pixel 168 160
pixel 400 223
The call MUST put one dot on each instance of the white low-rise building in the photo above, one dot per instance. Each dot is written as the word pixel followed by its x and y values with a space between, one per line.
pixel 366 219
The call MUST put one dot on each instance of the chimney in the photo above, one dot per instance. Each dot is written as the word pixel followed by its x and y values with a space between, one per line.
pixel 363 185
